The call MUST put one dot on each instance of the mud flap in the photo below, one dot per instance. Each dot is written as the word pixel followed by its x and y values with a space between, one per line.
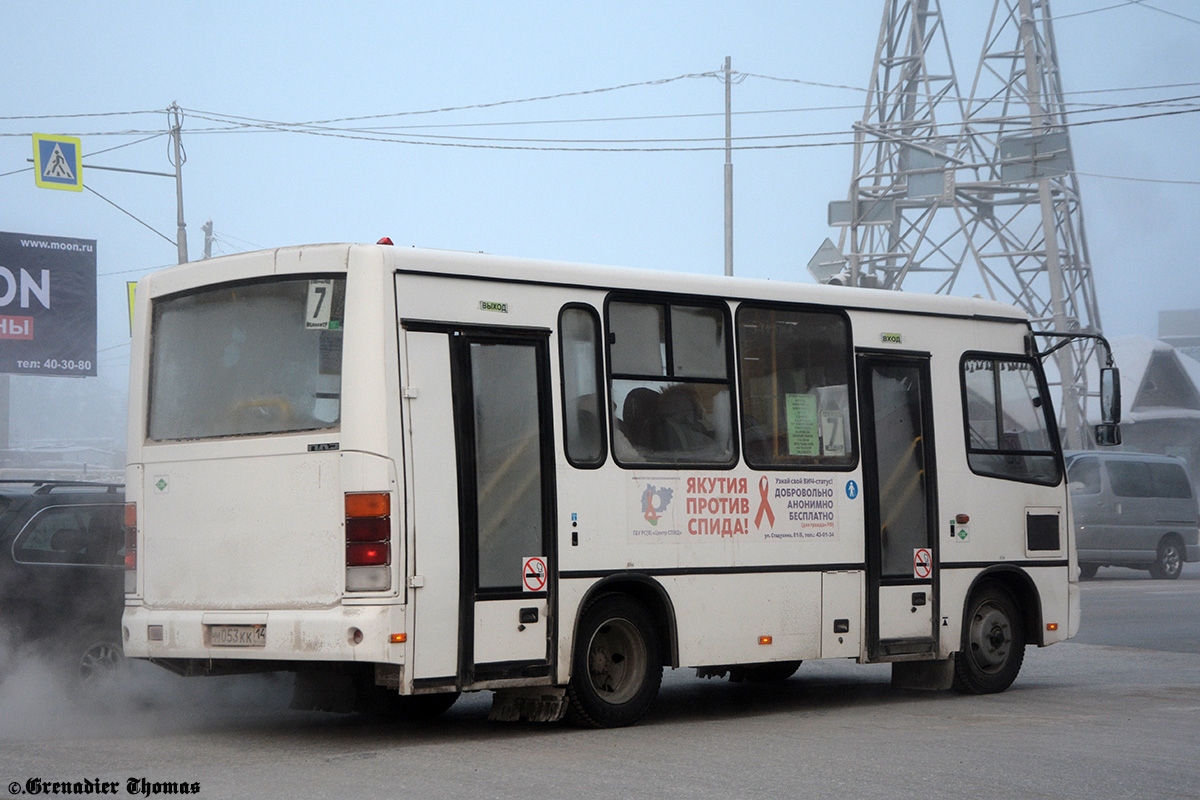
pixel 529 704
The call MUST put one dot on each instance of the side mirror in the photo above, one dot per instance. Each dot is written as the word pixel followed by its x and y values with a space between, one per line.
pixel 1110 396
pixel 1108 434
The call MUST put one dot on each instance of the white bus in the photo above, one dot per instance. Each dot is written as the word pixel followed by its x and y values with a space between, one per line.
pixel 405 474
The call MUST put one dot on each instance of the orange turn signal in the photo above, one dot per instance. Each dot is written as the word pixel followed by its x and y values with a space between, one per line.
pixel 765 640
pixel 1051 626
pixel 398 638
pixel 368 504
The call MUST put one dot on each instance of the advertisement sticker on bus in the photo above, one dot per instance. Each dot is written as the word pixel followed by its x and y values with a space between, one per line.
pixel 794 507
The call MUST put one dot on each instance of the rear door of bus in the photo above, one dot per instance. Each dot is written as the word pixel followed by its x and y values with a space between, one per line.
pixel 479 423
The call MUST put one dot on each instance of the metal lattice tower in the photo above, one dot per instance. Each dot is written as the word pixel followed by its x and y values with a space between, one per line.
pixel 958 195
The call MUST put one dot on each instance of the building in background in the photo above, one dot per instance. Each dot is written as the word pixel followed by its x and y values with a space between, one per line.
pixel 1181 330
pixel 1160 393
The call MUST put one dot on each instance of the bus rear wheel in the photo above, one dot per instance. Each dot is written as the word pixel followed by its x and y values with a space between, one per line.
pixel 617 668
pixel 993 642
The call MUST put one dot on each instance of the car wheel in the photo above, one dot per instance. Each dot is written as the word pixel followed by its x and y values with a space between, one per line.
pixel 993 644
pixel 93 668
pixel 1088 571
pixel 617 669
pixel 1169 563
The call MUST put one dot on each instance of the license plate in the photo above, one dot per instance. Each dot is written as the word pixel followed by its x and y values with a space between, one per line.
pixel 237 635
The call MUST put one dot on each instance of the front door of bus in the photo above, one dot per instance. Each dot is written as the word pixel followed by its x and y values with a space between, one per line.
pixel 900 503
pixel 500 491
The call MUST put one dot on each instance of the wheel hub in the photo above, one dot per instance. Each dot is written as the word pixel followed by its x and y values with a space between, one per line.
pixel 991 637
pixel 615 656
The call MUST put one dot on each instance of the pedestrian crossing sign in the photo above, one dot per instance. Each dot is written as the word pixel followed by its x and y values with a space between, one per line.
pixel 58 162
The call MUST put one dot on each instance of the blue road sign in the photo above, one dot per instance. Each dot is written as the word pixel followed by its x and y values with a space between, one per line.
pixel 58 162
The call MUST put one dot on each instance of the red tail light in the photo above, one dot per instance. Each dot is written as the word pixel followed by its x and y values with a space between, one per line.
pixel 375 554
pixel 376 529
pixel 368 529
pixel 130 536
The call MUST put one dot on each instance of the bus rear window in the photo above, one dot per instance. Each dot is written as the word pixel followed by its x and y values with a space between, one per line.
pixel 247 359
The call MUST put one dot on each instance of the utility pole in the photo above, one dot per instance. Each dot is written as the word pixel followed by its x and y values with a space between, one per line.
pixel 176 131
pixel 728 171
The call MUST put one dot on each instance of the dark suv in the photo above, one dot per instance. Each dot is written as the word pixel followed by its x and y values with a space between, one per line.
pixel 62 576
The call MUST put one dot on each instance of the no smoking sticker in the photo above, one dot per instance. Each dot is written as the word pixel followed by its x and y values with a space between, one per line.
pixel 922 562
pixel 533 573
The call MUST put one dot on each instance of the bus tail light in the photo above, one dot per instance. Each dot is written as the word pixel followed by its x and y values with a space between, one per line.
pixel 374 554
pixel 368 541
pixel 130 529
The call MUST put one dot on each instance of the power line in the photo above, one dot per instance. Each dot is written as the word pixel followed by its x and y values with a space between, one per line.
pixel 1142 4
pixel 126 213
pixel 1125 4
pixel 82 116
pixel 498 143
pixel 136 269
pixel 241 123
pixel 494 104
pixel 127 144
pixel 1138 180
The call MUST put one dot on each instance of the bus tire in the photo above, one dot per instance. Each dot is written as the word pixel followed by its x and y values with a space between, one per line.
pixel 993 644
pixel 1169 562
pixel 617 668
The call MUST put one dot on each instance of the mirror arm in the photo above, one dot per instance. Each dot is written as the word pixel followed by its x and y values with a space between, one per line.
pixel 1067 338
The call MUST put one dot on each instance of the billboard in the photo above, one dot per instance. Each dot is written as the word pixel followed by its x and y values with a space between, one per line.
pixel 47 305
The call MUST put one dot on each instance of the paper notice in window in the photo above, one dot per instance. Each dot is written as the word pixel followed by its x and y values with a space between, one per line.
pixel 803 433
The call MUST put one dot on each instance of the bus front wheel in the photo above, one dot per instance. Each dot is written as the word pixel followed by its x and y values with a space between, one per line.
pixel 993 642
pixel 617 668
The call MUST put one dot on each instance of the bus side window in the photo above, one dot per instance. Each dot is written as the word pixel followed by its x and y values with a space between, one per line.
pixel 671 393
pixel 795 378
pixel 1008 421
pixel 579 343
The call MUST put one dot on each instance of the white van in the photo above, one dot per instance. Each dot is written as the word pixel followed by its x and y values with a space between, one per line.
pixel 1133 510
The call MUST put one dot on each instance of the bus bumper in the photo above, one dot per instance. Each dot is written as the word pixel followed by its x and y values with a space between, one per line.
pixel 342 633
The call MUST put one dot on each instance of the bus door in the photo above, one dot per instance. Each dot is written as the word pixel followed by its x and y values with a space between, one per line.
pixel 899 492
pixel 479 419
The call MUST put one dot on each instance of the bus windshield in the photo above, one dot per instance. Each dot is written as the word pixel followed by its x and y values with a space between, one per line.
pixel 246 359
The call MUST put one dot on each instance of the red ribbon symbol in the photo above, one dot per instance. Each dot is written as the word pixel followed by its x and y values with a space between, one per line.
pixel 764 507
